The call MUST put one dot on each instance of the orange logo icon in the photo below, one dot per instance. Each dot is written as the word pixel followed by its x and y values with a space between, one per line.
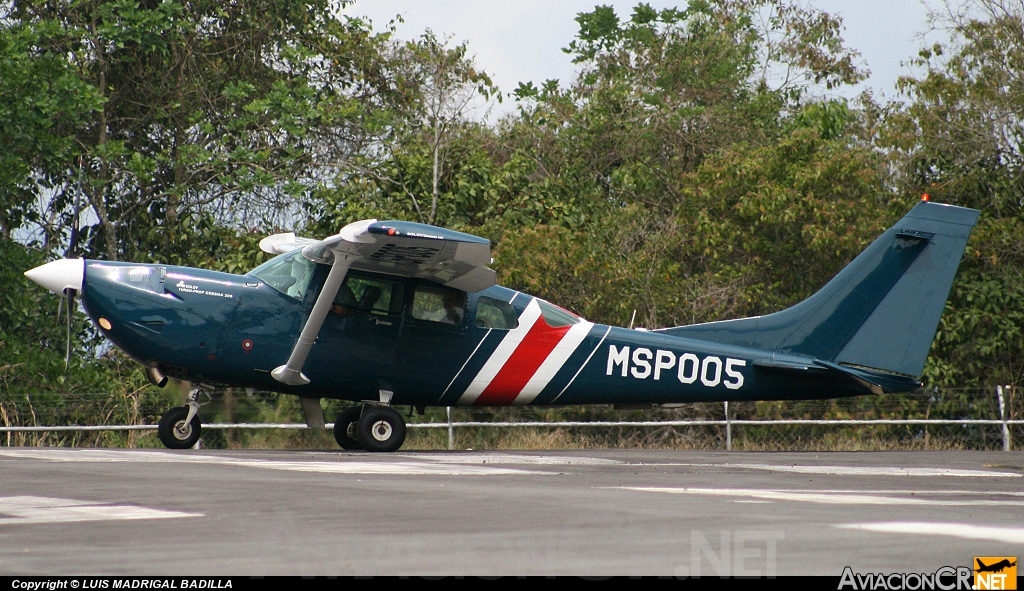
pixel 995 572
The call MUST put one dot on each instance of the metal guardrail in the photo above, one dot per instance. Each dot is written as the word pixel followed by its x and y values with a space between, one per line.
pixel 452 425
pixel 727 422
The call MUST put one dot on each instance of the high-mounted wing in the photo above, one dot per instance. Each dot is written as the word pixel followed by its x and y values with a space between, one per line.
pixel 282 243
pixel 407 249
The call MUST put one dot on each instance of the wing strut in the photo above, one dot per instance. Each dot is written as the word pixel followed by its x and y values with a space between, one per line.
pixel 291 372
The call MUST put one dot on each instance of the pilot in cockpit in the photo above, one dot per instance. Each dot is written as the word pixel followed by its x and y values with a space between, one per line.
pixel 453 307
pixel 439 304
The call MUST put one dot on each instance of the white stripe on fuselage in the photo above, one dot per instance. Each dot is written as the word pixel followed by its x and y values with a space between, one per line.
pixel 501 355
pixel 471 355
pixel 585 362
pixel 554 362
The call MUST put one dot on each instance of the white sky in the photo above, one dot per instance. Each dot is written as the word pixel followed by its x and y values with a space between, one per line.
pixel 521 40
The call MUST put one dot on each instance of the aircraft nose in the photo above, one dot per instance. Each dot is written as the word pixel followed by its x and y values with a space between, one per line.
pixel 60 275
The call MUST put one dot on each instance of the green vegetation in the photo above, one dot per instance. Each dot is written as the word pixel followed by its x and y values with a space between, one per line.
pixel 691 172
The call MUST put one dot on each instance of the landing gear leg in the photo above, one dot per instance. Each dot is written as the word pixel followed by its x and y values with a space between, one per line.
pixel 179 428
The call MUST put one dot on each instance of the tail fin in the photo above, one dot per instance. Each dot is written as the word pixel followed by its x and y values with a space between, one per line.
pixel 880 312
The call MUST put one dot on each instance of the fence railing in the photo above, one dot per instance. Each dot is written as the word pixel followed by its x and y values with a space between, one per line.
pixel 452 425
pixel 960 413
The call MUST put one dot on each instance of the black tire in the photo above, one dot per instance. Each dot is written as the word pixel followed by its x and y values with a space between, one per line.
pixel 381 428
pixel 173 431
pixel 346 428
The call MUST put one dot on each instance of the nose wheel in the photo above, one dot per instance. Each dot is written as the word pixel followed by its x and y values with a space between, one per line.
pixel 175 429
pixel 179 428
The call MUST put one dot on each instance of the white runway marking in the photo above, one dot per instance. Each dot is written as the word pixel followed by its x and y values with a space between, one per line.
pixel 33 510
pixel 438 464
pixel 865 471
pixel 1008 535
pixel 849 497
pixel 505 458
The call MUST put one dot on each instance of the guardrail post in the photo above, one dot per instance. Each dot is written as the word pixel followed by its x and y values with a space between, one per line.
pixel 728 429
pixel 451 431
pixel 1002 417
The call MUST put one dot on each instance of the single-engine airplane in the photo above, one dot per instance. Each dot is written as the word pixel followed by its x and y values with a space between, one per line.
pixel 389 313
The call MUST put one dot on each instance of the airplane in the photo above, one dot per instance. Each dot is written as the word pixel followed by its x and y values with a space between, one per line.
pixel 397 313
pixel 994 568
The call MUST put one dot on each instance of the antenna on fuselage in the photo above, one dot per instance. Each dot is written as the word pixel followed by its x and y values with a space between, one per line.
pixel 633 319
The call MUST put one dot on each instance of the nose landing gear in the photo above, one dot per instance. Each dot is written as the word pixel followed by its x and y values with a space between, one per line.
pixel 179 428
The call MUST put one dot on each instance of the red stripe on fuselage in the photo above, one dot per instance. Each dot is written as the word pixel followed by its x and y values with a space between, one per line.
pixel 522 364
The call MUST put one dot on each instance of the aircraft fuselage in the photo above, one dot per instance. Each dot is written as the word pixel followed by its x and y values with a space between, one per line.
pixel 218 328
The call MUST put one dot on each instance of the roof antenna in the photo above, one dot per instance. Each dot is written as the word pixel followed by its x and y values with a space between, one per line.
pixel 631 320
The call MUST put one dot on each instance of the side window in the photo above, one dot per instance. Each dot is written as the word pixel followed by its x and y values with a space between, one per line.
pixel 438 304
pixel 492 313
pixel 369 295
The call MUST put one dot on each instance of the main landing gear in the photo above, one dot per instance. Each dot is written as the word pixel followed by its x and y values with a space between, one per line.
pixel 370 427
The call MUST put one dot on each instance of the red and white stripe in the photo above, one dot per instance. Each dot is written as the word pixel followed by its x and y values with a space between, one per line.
pixel 525 361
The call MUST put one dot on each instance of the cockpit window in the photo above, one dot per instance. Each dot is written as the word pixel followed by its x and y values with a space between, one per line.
pixel 288 273
pixel 492 313
pixel 556 316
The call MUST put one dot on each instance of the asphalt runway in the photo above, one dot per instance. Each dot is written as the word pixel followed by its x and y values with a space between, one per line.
pixel 597 513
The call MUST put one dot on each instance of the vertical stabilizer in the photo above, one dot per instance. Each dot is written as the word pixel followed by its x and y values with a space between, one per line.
pixel 880 312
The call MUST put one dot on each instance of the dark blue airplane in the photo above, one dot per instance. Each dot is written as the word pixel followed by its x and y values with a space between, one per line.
pixel 399 313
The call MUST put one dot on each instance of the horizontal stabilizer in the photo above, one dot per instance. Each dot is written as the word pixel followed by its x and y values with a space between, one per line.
pixel 872 381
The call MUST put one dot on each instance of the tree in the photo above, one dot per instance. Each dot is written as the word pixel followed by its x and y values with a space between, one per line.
pixel 416 167
pixel 199 115
pixel 958 138
pixel 659 93
pixel 702 169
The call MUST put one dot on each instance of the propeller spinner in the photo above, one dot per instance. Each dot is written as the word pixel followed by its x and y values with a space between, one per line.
pixel 60 275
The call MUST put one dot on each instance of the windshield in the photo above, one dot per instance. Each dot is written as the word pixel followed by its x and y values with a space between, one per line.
pixel 288 273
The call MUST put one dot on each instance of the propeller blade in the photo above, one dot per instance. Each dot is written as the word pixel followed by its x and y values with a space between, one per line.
pixel 70 299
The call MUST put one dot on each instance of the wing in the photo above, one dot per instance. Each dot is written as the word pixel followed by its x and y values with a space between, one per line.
pixel 407 249
pixel 282 243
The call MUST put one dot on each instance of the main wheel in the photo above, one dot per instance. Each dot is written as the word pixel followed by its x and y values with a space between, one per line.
pixel 175 433
pixel 346 428
pixel 381 428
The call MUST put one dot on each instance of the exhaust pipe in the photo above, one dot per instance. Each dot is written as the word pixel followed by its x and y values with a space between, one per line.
pixel 155 375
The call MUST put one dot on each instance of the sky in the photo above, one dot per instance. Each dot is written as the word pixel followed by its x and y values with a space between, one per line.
pixel 522 40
